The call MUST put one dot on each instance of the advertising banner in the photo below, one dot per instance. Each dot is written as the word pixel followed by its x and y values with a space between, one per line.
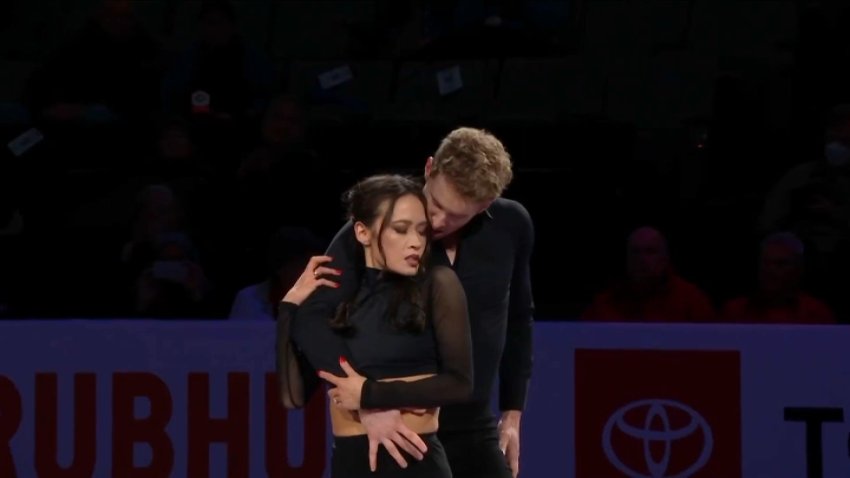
pixel 198 399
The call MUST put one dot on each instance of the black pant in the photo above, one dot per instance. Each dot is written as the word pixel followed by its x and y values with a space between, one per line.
pixel 351 460
pixel 471 441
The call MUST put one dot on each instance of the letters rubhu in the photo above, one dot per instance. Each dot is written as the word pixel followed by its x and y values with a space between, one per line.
pixel 233 430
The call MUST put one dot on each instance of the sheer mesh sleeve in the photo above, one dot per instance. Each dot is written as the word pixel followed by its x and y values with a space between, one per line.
pixel 292 371
pixel 305 343
pixel 453 382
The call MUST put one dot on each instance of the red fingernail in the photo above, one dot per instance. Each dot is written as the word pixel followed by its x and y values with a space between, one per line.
pixel 335 285
pixel 338 271
pixel 342 359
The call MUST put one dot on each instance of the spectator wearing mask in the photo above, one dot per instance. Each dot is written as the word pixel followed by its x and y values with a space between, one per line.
pixel 812 200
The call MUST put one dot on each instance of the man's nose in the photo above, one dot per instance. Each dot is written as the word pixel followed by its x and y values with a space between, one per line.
pixel 438 220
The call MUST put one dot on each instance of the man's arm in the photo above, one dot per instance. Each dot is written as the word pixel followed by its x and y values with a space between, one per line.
pixel 515 366
pixel 516 362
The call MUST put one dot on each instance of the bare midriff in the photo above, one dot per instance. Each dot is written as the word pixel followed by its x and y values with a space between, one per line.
pixel 347 423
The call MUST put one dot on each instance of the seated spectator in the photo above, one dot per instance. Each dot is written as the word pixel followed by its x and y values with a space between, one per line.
pixel 276 171
pixel 220 75
pixel 220 83
pixel 174 285
pixel 157 211
pixel 176 154
pixel 812 200
pixel 778 299
pixel 651 290
pixel 283 142
pixel 288 252
pixel 173 177
pixel 179 164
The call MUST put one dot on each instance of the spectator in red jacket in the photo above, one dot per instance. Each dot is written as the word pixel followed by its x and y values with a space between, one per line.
pixel 651 290
pixel 779 298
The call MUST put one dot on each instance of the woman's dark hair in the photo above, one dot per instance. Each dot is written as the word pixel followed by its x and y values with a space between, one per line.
pixel 364 203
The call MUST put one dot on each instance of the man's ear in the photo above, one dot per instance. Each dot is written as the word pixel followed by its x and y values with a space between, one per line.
pixel 429 163
pixel 362 233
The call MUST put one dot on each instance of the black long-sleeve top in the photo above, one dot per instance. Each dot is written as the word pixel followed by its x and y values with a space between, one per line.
pixel 493 264
pixel 379 350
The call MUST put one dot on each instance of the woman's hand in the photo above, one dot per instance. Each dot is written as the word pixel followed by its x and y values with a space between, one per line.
pixel 346 393
pixel 311 279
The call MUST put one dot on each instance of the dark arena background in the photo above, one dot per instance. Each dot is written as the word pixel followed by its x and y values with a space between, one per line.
pixel 168 166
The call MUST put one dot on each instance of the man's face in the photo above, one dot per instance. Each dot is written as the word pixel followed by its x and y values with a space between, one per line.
pixel 448 211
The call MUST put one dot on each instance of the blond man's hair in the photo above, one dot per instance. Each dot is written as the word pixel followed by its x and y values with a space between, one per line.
pixel 475 162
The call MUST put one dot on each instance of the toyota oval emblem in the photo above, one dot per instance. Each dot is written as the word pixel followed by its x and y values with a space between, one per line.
pixel 656 411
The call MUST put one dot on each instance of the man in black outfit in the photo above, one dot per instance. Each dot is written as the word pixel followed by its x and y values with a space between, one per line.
pixel 488 241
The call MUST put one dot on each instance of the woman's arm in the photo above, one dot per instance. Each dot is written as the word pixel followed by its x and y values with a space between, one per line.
pixel 296 378
pixel 291 373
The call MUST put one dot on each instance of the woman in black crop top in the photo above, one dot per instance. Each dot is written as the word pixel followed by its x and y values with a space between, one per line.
pixel 402 339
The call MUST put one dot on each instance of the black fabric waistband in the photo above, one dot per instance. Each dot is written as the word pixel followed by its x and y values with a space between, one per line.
pixel 470 416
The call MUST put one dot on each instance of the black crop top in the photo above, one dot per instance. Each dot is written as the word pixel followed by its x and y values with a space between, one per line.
pixel 378 350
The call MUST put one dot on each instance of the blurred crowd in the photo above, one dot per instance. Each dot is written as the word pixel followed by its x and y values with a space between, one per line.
pixel 142 181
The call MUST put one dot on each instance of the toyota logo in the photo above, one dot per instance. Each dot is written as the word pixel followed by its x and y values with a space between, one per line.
pixel 656 412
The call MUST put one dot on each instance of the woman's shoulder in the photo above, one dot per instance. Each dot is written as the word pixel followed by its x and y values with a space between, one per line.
pixel 442 277
pixel 441 272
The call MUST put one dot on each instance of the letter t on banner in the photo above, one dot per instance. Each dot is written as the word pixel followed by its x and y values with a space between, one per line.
pixel 814 418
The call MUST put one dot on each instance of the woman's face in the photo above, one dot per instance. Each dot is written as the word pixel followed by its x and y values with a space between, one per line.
pixel 403 239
